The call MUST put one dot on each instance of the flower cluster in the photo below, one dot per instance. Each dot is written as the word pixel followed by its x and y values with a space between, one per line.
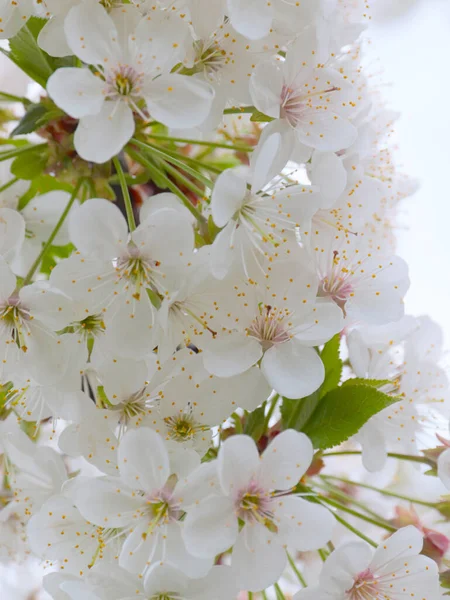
pixel 199 298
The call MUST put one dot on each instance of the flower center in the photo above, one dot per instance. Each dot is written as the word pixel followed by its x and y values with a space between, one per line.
pixel 162 508
pixel 364 588
pixel 337 285
pixel 122 82
pixel 295 102
pixel 138 270
pixel 90 327
pixel 253 505
pixel 15 318
pixel 183 427
pixel 134 406
pixel 269 327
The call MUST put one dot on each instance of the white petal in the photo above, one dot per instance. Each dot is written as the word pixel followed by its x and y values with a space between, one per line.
pixel 228 195
pixel 329 174
pixel 328 133
pixel 164 578
pixel 266 85
pixel 293 370
pixel 91 34
pixel 98 228
pixel 12 232
pixel 211 527
pixel 222 251
pixel 122 377
pixel 77 91
pixel 98 138
pixel 42 214
pixel 7 281
pixel 268 160
pixel 343 565
pixel 143 459
pixel 251 18
pixel 258 558
pixel 50 306
pixel 323 322
pixel 285 460
pixel 179 101
pixel 444 468
pixel 106 502
pixel 231 354
pixel 52 38
pixel 304 525
pixel 404 543
pixel 237 463
pixel 164 200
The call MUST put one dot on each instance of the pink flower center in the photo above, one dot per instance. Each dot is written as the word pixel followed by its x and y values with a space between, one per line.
pixel 269 327
pixel 364 588
pixel 292 105
pixel 337 284
pixel 253 504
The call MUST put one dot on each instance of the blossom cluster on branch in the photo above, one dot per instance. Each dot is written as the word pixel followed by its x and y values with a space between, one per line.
pixel 202 310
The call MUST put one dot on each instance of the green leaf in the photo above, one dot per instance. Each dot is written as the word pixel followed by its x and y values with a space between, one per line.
pixel 30 164
pixel 333 365
pixel 255 422
pixel 296 413
pixel 342 412
pixel 32 120
pixel 259 117
pixel 52 257
pixel 376 383
pixel 26 53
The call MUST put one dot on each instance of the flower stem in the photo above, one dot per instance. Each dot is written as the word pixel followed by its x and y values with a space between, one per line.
pixel 408 457
pixel 12 98
pixel 20 150
pixel 8 184
pixel 332 489
pixel 279 593
pixel 240 147
pixel 354 530
pixel 125 193
pixel 380 491
pixel 53 234
pixel 271 410
pixel 296 571
pixel 153 169
pixel 168 157
pixel 358 515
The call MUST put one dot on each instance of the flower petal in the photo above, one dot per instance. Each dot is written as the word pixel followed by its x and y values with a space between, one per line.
pixel 293 370
pixel 237 463
pixel 228 195
pixel 231 354
pixel 77 91
pixel 285 460
pixel 98 138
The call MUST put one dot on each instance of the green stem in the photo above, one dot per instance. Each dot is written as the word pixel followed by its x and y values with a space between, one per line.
pixel 21 150
pixel 264 595
pixel 323 555
pixel 239 111
pixel 250 595
pixel 279 593
pixel 273 405
pixel 417 459
pixel 345 497
pixel 176 174
pixel 357 514
pixel 53 234
pixel 380 491
pixel 357 532
pixel 239 148
pixel 12 98
pixel 9 184
pixel 126 194
pixel 169 184
pixel 178 163
pixel 296 571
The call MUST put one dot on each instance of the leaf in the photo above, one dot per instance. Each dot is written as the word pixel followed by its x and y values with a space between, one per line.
pixel 32 120
pixel 259 117
pixel 26 53
pixel 376 383
pixel 333 365
pixel 295 413
pixel 254 424
pixel 30 164
pixel 342 412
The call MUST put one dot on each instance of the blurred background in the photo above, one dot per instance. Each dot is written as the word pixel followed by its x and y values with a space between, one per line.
pixel 411 47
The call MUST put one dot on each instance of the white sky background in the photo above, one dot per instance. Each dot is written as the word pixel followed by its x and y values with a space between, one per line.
pixel 411 38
